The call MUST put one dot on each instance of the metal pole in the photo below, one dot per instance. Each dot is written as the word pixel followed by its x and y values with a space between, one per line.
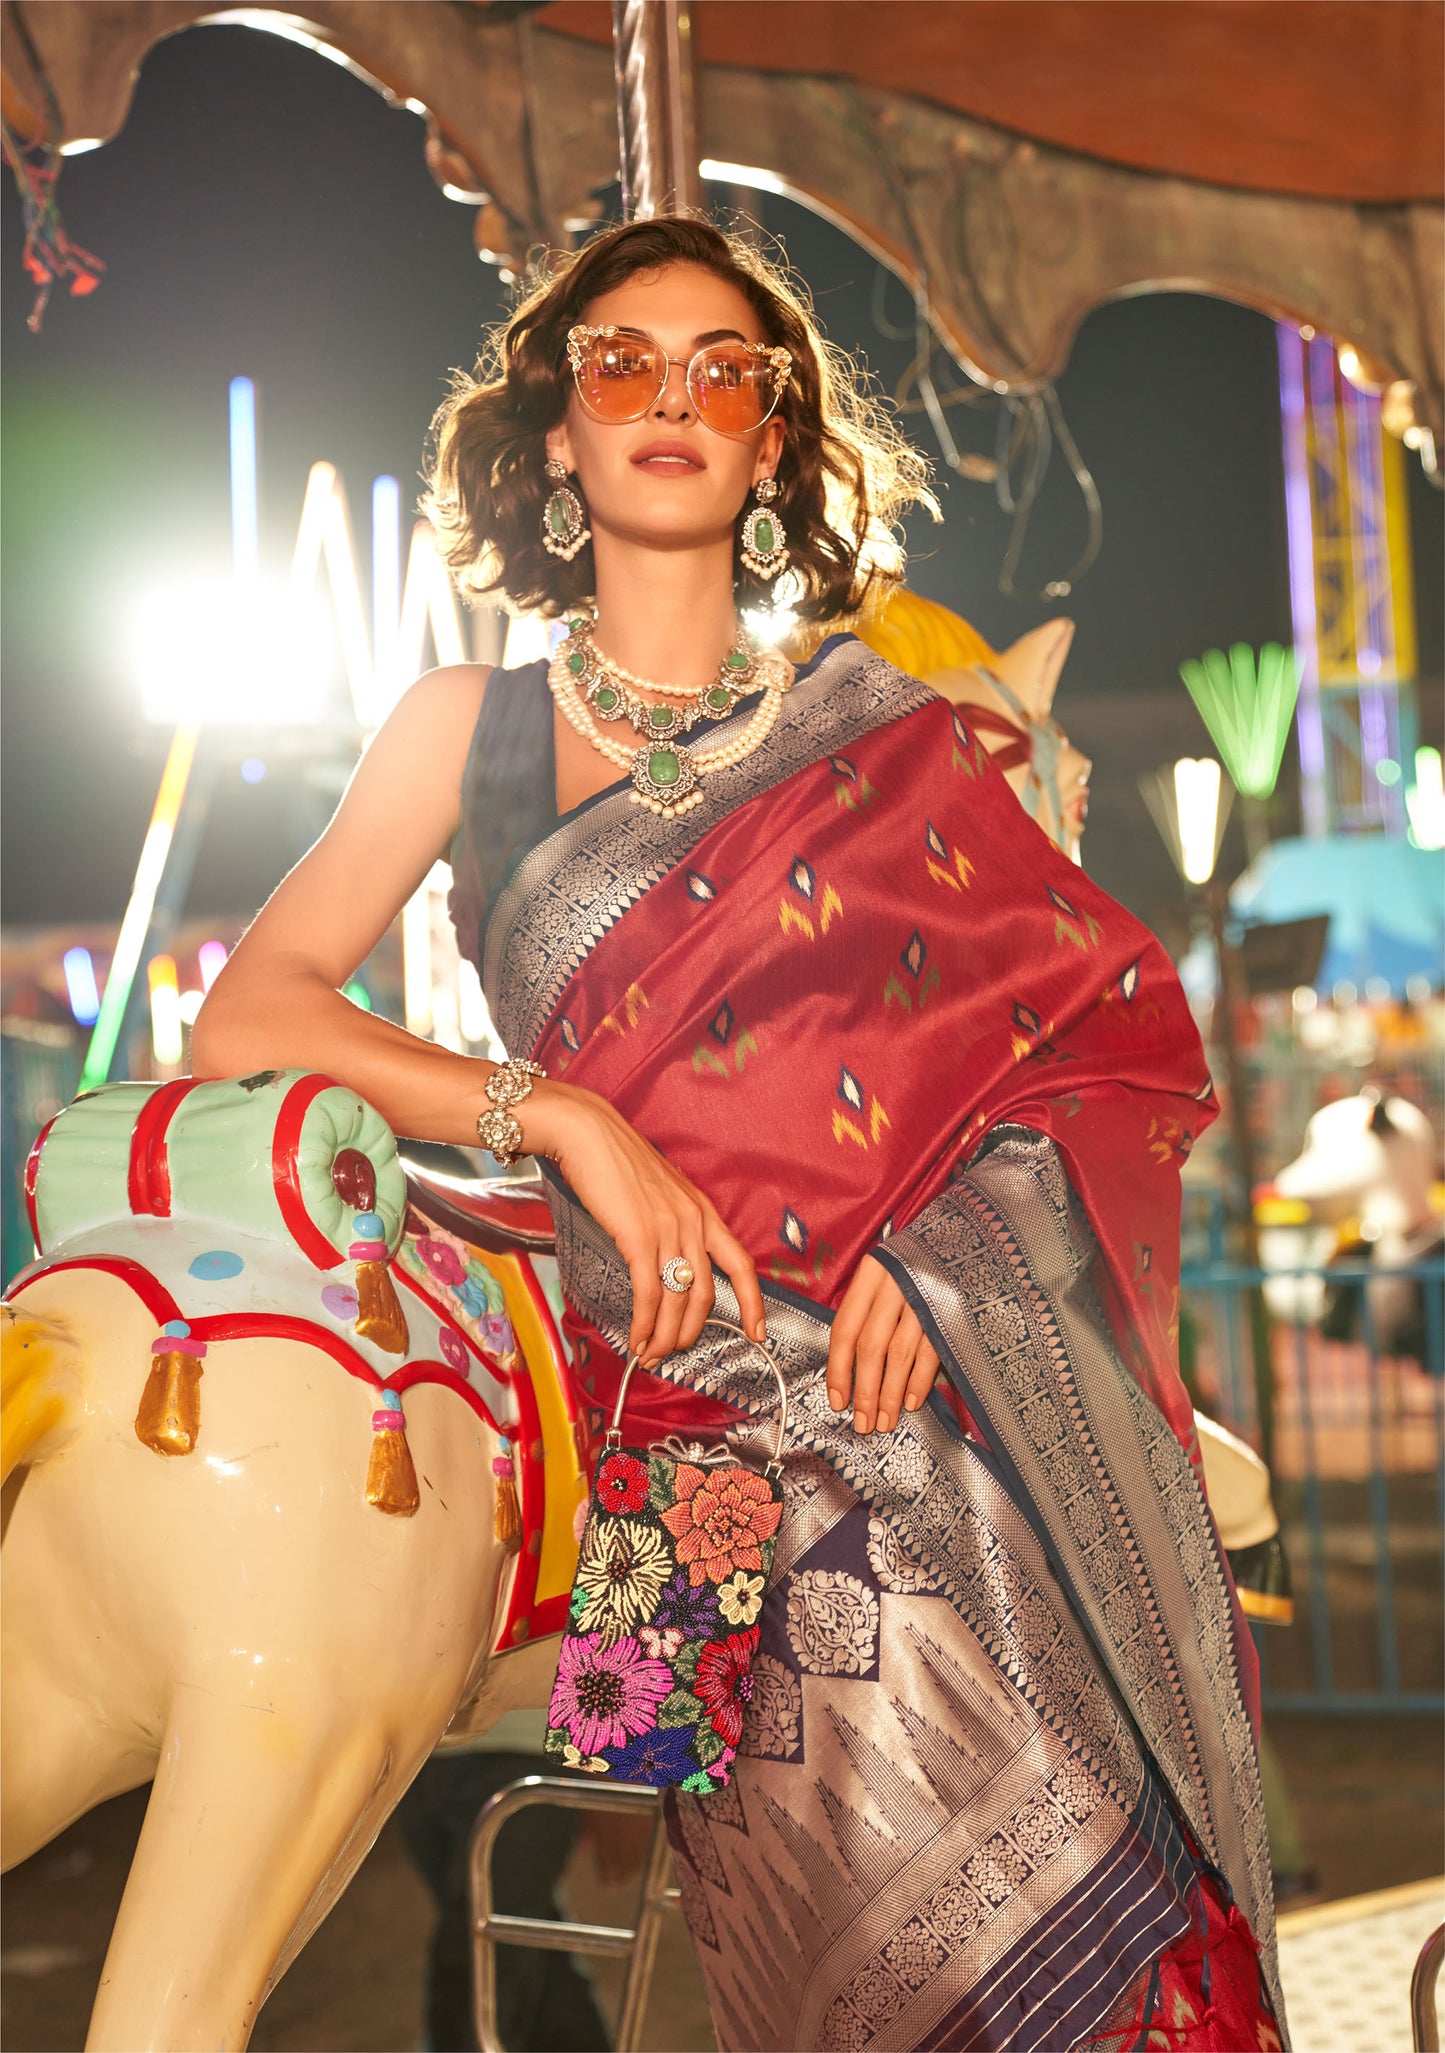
pixel 657 132
pixel 1231 999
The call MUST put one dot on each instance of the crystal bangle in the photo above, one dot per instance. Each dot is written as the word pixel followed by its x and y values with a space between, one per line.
pixel 511 1081
pixel 500 1133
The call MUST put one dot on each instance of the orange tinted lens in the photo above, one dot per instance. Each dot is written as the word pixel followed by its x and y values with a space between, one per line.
pixel 734 391
pixel 618 378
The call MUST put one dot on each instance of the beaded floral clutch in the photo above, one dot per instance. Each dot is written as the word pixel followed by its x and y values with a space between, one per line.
pixel 655 1672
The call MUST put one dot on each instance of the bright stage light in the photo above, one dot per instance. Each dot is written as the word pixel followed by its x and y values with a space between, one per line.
pixel 190 1006
pixel 1196 794
pixel 81 986
pixel 212 652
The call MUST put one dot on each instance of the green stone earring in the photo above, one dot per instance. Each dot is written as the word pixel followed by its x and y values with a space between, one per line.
pixel 564 517
pixel 764 547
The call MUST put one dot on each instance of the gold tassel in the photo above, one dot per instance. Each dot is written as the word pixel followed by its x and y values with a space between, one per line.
pixel 168 1419
pixel 391 1474
pixel 507 1511
pixel 379 1316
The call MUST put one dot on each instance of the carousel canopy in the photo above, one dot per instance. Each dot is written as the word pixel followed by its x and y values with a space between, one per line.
pixel 1330 100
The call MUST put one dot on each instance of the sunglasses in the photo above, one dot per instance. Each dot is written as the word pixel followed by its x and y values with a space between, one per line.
pixel 734 386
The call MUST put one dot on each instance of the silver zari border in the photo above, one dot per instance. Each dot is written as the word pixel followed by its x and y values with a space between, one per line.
pixel 1000 1269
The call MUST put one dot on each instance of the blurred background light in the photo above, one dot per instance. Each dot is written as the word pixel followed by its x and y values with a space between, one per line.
pixel 211 960
pixel 210 652
pixel 167 1038
pixel 80 985
pixel 1196 795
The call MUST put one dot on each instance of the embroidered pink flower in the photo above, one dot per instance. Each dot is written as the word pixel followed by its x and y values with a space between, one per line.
pixel 606 1695
pixel 442 1259
pixel 720 1521
pixel 622 1483
pixel 725 1682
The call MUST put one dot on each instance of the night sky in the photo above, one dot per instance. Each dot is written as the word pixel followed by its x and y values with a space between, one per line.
pixel 263 212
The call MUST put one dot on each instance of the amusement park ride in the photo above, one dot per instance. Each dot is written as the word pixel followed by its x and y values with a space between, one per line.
pixel 293 1449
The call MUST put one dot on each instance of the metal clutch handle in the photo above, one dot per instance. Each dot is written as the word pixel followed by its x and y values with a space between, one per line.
pixel 719 1453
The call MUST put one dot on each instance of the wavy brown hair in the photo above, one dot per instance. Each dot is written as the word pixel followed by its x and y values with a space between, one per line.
pixel 846 473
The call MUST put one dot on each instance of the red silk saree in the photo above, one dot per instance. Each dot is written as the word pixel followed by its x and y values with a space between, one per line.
pixel 997 1761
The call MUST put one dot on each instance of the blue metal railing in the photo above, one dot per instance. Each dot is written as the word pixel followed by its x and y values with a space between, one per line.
pixel 1359 1479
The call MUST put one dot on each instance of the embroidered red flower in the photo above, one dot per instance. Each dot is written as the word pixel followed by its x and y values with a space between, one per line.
pixel 725 1682
pixel 622 1483
pixel 720 1521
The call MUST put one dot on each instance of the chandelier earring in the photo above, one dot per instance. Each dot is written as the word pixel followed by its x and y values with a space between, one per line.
pixel 764 542
pixel 564 517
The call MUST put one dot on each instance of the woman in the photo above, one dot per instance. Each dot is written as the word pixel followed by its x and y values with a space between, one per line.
pixel 828 1036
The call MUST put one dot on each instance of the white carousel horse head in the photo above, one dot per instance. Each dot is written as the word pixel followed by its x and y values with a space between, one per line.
pixel 265 1424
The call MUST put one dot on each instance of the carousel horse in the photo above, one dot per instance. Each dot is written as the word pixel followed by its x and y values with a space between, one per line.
pixel 292 1464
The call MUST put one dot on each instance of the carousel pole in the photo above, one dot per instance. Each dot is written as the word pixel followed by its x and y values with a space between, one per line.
pixel 657 132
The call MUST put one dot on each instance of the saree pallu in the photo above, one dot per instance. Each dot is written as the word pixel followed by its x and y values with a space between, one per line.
pixel 996 1748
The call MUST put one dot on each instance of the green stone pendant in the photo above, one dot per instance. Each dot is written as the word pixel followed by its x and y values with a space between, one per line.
pixel 663 776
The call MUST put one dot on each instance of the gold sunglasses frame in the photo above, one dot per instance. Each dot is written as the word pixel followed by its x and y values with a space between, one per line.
pixel 780 360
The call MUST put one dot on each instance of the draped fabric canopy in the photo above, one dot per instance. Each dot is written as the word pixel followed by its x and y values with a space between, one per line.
pixel 1326 99
pixel 1018 162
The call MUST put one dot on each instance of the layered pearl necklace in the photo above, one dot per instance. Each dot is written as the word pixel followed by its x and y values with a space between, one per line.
pixel 586 684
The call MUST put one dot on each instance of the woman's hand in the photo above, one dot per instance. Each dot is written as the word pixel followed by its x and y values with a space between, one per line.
pixel 896 1366
pixel 651 1211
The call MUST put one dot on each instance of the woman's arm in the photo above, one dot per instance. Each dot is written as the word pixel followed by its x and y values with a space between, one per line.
pixel 277 1004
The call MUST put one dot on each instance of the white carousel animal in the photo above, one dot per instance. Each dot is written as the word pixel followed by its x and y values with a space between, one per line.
pixel 1363 1187
pixel 225 1563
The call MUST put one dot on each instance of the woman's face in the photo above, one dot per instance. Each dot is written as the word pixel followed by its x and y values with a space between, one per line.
pixel 666 480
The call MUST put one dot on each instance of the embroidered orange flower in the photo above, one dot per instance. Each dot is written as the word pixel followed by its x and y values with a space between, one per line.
pixel 720 1521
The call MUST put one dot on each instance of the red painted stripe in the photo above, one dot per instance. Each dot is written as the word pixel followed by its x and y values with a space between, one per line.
pixel 153 1295
pixel 148 1185
pixel 32 1172
pixel 284 1174
pixel 264 1326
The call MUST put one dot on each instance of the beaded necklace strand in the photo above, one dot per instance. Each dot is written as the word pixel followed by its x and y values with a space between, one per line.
pixel 665 773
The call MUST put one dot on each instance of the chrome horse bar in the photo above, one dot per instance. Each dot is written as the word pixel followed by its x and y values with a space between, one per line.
pixel 637 1944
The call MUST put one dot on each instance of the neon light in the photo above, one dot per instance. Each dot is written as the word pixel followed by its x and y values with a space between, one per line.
pixel 1247 705
pixel 253 770
pixel 191 1003
pixel 1300 528
pixel 80 985
pixel 167 1040
pixel 324 534
pixel 211 959
pixel 427 600
pixel 245 518
pixel 136 924
pixel 357 992
pixel 385 585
